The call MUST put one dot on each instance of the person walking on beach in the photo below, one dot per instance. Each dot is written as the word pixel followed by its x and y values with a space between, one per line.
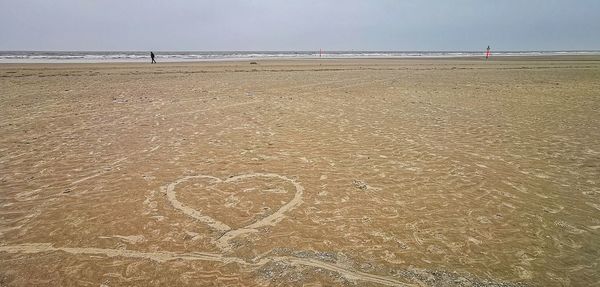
pixel 152 56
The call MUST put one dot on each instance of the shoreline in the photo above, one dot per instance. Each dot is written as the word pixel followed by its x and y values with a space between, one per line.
pixel 475 59
pixel 173 57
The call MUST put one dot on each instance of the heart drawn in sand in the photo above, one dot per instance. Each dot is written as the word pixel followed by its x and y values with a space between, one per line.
pixel 250 225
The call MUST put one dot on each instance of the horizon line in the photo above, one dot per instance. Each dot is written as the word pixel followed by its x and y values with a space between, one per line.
pixel 317 50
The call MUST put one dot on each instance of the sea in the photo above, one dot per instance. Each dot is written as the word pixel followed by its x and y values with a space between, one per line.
pixel 186 56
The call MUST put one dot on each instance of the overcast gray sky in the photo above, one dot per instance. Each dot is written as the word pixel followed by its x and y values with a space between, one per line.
pixel 299 25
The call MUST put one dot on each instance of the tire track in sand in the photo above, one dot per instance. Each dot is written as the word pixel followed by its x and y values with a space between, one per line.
pixel 164 256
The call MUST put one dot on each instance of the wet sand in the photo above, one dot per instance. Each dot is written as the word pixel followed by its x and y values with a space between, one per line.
pixel 381 172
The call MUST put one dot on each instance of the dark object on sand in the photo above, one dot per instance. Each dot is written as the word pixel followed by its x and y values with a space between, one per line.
pixel 253 63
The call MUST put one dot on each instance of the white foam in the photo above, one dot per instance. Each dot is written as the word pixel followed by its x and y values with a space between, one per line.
pixel 75 57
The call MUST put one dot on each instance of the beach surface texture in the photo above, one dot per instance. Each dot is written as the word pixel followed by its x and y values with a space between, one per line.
pixel 351 172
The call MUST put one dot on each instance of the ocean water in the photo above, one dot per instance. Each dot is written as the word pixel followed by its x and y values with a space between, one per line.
pixel 171 56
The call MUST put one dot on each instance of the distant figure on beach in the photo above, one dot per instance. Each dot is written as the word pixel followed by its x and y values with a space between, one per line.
pixel 487 53
pixel 152 56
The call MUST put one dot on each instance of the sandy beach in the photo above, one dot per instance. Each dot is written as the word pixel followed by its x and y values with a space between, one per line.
pixel 371 172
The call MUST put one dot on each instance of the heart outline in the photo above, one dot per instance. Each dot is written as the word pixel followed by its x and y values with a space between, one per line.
pixel 228 232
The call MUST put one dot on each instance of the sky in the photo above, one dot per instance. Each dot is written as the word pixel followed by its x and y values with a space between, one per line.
pixel 285 25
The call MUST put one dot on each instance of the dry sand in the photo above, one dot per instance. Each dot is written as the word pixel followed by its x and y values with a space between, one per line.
pixel 335 172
